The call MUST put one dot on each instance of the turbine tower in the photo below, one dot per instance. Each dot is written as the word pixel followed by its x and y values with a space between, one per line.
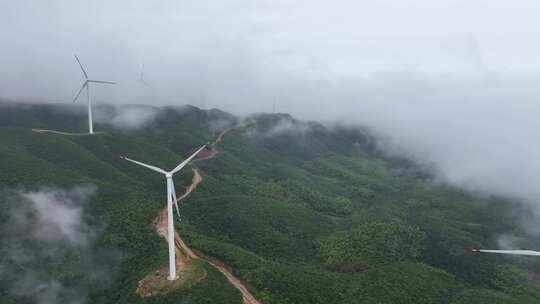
pixel 86 84
pixel 171 198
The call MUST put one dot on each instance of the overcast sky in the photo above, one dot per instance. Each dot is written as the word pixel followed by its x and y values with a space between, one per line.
pixel 453 84
pixel 241 54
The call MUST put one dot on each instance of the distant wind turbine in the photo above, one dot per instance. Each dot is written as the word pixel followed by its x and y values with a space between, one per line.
pixel 171 198
pixel 511 252
pixel 141 78
pixel 86 84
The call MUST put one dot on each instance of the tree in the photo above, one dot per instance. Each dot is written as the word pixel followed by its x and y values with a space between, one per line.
pixel 371 245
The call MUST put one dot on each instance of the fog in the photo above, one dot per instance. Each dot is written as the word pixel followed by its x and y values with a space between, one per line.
pixel 125 117
pixel 45 231
pixel 451 84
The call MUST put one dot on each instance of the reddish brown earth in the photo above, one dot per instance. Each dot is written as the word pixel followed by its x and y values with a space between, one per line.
pixel 156 282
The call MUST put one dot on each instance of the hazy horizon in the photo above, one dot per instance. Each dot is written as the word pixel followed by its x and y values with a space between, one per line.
pixel 451 84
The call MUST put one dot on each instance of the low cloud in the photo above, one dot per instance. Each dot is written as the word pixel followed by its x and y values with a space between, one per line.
pixel 285 126
pixel 128 117
pixel 48 250
pixel 277 125
pixel 217 125
pixel 459 98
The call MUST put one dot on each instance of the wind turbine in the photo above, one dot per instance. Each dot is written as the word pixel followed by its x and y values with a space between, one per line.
pixel 511 252
pixel 171 197
pixel 141 78
pixel 86 85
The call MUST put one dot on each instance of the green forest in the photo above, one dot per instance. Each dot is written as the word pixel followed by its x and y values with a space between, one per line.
pixel 301 212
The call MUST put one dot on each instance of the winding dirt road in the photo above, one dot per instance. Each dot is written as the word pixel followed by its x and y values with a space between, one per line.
pixel 160 224
pixel 183 252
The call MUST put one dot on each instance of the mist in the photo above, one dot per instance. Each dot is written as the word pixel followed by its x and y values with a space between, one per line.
pixel 452 85
pixel 125 117
pixel 45 231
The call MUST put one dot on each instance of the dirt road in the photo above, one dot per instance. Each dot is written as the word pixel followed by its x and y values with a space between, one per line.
pixel 160 223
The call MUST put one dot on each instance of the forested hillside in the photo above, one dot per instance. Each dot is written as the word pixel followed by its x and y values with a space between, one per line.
pixel 301 213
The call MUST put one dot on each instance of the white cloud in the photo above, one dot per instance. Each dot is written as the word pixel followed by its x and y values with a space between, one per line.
pixel 126 117
pixel 445 82
pixel 46 230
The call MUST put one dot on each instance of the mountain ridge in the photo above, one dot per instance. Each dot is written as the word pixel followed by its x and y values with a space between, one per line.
pixel 280 205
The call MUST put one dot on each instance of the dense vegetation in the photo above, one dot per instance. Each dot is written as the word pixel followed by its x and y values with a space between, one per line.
pixel 301 212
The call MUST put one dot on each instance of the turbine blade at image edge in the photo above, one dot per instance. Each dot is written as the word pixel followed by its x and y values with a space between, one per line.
pixel 512 252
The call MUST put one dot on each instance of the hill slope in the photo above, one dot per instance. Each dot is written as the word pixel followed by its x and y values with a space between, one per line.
pixel 300 212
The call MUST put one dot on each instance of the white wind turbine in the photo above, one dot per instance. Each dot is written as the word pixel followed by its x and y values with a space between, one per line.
pixel 141 78
pixel 87 86
pixel 171 197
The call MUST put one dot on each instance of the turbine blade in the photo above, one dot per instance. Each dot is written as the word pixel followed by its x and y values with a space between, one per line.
pixel 512 252
pixel 82 69
pixel 175 199
pixel 101 81
pixel 146 83
pixel 85 84
pixel 141 77
pixel 144 165
pixel 185 162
